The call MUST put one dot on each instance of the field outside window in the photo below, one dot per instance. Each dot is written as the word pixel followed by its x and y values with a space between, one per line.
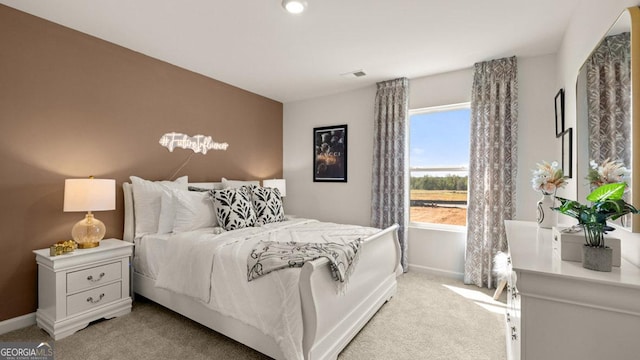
pixel 439 163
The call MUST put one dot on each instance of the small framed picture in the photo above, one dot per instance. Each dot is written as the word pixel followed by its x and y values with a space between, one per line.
pixel 567 152
pixel 330 153
pixel 559 106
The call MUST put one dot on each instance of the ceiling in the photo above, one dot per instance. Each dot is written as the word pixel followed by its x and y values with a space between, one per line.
pixel 257 46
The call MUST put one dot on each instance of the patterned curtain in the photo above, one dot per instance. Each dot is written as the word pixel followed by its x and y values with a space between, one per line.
pixel 389 188
pixel 492 166
pixel 608 100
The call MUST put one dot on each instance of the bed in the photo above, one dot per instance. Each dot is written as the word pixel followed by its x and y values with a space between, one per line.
pixel 329 318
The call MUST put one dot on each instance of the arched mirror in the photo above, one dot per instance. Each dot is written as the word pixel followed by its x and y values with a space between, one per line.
pixel 607 122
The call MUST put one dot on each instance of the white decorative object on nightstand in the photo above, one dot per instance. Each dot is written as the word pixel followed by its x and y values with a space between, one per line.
pixel 77 288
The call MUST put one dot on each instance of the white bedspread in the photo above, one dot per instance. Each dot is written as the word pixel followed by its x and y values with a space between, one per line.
pixel 213 269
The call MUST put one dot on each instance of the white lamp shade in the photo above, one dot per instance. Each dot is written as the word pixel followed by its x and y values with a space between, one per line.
pixel 280 184
pixel 89 194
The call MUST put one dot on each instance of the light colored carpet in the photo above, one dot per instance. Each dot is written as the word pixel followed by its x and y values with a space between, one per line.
pixel 430 317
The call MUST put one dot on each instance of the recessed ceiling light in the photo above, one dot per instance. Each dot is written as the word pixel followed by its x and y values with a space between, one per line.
pixel 294 6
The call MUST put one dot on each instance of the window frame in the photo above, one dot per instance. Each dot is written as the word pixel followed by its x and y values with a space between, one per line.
pixel 410 169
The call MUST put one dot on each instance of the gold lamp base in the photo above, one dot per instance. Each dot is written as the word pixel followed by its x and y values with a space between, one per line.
pixel 88 245
pixel 88 232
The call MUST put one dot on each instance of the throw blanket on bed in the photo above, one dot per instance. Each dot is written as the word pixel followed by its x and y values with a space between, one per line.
pixel 269 256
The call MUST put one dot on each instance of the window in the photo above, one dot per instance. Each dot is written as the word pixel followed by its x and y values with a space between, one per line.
pixel 439 164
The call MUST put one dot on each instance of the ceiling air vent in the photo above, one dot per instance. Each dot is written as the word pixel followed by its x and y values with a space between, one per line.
pixel 355 73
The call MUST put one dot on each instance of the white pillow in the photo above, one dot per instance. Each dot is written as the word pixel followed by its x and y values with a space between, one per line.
pixel 236 184
pixel 194 210
pixel 147 200
pixel 167 212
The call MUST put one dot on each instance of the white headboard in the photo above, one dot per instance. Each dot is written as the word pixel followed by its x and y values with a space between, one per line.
pixel 129 214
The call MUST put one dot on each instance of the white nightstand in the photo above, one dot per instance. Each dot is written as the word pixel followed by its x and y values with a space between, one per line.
pixel 77 288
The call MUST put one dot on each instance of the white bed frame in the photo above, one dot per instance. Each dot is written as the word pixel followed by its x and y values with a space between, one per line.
pixel 330 321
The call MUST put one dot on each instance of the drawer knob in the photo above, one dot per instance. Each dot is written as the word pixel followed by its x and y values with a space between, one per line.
pixel 90 277
pixel 90 299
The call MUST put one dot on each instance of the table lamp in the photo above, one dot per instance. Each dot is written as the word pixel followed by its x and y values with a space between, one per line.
pixel 280 184
pixel 89 195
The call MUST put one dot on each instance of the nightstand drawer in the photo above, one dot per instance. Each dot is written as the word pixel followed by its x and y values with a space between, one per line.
pixel 93 298
pixel 96 276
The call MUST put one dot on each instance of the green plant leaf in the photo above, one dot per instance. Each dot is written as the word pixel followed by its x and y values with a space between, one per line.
pixel 613 191
pixel 617 208
pixel 607 203
pixel 571 208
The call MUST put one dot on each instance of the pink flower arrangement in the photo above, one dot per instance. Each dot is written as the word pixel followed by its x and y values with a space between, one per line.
pixel 548 178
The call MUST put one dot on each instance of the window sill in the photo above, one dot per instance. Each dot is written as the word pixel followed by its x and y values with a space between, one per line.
pixel 438 227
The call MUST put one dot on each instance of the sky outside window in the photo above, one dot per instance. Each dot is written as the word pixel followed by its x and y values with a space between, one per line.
pixel 440 138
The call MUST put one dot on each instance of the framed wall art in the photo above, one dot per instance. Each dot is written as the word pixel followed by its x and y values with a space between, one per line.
pixel 567 152
pixel 330 153
pixel 559 106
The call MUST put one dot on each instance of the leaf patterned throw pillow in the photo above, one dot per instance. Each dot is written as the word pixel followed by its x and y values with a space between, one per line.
pixel 267 204
pixel 233 208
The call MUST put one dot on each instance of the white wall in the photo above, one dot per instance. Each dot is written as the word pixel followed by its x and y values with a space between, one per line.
pixel 448 88
pixel 536 127
pixel 337 202
pixel 590 22
pixel 435 250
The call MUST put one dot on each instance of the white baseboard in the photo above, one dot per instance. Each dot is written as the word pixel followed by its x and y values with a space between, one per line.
pixel 17 323
pixel 440 272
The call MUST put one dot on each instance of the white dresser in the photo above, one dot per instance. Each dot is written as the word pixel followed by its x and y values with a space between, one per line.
pixel 77 288
pixel 558 310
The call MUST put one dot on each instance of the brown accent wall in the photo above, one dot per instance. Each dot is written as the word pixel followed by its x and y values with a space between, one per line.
pixel 72 105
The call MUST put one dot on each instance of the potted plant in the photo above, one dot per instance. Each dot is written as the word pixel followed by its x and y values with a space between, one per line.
pixel 608 172
pixel 606 204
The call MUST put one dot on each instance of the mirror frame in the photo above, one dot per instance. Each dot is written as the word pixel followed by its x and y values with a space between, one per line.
pixel 582 126
pixel 634 14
